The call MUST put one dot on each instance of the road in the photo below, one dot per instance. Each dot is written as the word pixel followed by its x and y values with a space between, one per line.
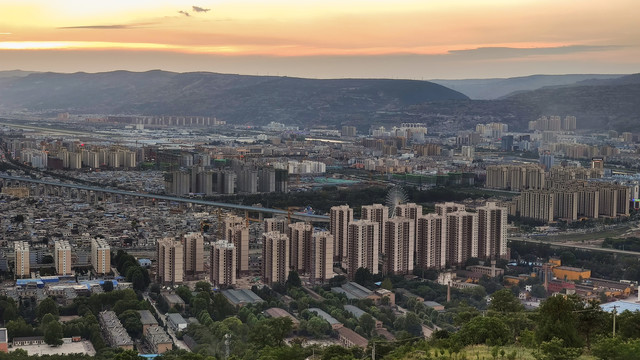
pixel 179 343
pixel 574 246
pixel 156 197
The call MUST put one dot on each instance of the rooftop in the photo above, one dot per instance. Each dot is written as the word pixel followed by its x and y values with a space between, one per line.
pixel 156 335
pixel 146 318
pixel 176 318
pixel 354 310
pixel 621 306
pixel 330 319
pixel 353 337
pixel 354 290
pixel 174 299
pixel 241 297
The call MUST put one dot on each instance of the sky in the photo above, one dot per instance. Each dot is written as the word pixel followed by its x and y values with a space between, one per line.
pixel 425 39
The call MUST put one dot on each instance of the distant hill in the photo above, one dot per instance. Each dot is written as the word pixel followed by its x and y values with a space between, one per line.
pixel 598 104
pixel 14 73
pixel 237 99
pixel 489 89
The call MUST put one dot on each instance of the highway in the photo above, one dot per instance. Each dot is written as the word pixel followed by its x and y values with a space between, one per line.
pixel 574 246
pixel 297 215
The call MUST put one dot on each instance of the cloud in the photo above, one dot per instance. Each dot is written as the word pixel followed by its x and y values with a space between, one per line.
pixel 108 27
pixel 198 9
pixel 5 33
pixel 510 52
pixel 184 13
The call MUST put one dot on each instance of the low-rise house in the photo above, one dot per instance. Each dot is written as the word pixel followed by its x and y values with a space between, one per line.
pixel 158 340
pixel 176 322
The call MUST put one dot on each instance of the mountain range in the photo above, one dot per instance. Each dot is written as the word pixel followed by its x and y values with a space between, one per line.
pixel 598 101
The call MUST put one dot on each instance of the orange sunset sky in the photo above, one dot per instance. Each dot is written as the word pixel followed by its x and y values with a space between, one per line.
pixel 425 39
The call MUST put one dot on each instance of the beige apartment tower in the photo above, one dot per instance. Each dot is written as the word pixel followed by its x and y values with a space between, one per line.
pixel 380 214
pixel 100 256
pixel 300 235
pixel 362 247
pixel 238 235
pixel 62 257
pixel 22 259
pixel 278 223
pixel 321 256
pixel 462 237
pixel 170 261
pixel 223 264
pixel 400 240
pixel 340 217
pixel 492 231
pixel 431 242
pixel 193 253
pixel 275 257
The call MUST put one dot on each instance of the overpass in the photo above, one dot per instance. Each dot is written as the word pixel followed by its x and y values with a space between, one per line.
pixel 93 193
pixel 574 246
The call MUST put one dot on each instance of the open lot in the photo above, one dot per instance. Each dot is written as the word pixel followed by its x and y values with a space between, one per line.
pixel 83 347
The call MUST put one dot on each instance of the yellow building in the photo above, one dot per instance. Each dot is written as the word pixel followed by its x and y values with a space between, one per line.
pixel 570 273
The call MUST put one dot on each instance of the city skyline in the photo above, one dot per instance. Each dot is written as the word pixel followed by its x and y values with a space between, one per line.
pixel 406 39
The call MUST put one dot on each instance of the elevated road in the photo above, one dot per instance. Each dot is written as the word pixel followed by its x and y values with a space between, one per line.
pixel 254 209
pixel 574 246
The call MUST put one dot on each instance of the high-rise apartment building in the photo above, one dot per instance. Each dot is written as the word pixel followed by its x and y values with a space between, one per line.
pixel 193 253
pixel 278 223
pixel 170 261
pixel 462 237
pixel 100 256
pixel 62 257
pixel 229 222
pixel 236 232
pixel 362 247
pixel 321 256
pixel 22 259
pixel 431 242
pixel 340 217
pixel 492 231
pixel 448 207
pixel 400 240
pixel 300 235
pixel 275 257
pixel 380 214
pixel 223 263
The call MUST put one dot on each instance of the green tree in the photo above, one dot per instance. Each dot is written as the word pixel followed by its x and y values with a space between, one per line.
pixel 130 320
pixel 293 280
pixel 52 332
pixel 363 276
pixel 47 306
pixel 592 321
pixel 107 286
pixel 556 349
pixel 367 323
pixel 318 327
pixel 628 324
pixel 387 284
pixel 505 302
pixel 484 330
pixel 203 286
pixel 127 355
pixel 616 349
pixel 184 293
pixel 557 319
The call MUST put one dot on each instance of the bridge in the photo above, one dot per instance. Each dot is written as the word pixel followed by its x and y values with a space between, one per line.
pixel 95 194
pixel 575 246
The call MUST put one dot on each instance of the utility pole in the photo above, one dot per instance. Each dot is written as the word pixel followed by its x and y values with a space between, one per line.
pixel 614 319
pixel 373 351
